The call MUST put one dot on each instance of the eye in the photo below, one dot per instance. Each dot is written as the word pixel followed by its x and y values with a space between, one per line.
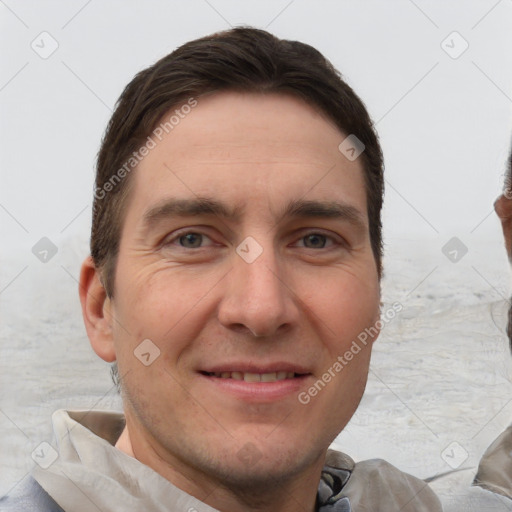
pixel 320 241
pixel 193 244
pixel 191 240
pixel 315 241
pixel 188 240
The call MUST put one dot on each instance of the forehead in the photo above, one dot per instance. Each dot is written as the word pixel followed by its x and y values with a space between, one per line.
pixel 246 145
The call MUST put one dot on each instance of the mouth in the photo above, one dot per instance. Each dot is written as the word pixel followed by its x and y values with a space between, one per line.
pixel 256 385
pixel 255 377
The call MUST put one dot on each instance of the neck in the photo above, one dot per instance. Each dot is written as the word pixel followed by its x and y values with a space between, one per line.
pixel 287 494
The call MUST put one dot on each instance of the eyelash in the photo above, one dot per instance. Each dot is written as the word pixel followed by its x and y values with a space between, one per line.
pixel 335 240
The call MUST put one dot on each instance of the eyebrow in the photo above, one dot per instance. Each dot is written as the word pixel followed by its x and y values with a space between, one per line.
pixel 295 209
pixel 325 209
pixel 188 208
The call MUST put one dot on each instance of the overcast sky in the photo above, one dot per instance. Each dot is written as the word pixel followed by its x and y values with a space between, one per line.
pixel 435 76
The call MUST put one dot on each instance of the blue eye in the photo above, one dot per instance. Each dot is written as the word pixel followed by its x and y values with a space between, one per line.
pixel 191 240
pixel 315 241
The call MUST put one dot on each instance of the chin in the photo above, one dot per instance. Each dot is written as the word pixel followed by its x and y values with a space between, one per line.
pixel 251 471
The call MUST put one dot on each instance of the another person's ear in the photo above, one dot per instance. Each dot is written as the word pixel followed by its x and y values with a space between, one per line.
pixel 503 207
pixel 96 311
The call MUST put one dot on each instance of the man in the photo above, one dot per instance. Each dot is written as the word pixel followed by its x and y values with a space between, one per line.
pixel 495 468
pixel 491 487
pixel 235 262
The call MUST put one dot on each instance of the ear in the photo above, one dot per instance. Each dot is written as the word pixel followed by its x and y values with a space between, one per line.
pixel 96 311
pixel 503 207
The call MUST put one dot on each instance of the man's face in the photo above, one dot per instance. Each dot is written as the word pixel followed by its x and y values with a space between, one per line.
pixel 503 208
pixel 239 176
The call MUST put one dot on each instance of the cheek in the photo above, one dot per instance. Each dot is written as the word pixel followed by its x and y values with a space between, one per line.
pixel 348 311
pixel 507 231
pixel 347 307
pixel 167 306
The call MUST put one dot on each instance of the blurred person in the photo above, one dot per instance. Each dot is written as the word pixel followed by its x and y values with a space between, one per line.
pixel 495 468
pixel 490 489
pixel 234 282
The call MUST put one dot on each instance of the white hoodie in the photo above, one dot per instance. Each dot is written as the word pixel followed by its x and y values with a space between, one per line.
pixel 90 475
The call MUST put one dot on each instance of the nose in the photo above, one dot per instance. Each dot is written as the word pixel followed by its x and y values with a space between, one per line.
pixel 257 298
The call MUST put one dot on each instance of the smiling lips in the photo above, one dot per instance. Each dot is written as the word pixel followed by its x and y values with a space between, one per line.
pixel 254 377
pixel 254 383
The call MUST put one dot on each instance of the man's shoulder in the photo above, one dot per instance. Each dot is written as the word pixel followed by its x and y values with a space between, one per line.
pixel 489 490
pixel 495 469
pixel 457 493
pixel 392 487
pixel 29 496
pixel 378 485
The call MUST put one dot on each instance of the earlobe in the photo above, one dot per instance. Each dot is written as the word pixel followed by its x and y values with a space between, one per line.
pixel 96 311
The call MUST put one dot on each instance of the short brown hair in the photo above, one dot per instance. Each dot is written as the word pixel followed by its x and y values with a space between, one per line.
pixel 242 59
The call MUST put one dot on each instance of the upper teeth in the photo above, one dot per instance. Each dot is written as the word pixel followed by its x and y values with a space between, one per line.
pixel 255 377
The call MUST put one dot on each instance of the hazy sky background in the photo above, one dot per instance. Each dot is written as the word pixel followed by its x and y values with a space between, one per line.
pixel 445 123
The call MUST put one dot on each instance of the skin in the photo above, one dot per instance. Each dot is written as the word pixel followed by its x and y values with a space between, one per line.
pixel 503 207
pixel 299 305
